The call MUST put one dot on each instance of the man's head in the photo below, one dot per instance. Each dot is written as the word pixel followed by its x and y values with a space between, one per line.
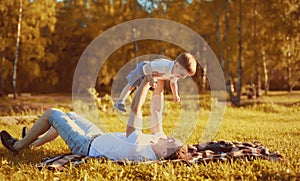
pixel 170 148
pixel 185 65
pixel 181 153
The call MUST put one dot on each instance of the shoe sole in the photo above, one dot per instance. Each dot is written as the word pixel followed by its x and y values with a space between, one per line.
pixel 116 108
pixel 5 137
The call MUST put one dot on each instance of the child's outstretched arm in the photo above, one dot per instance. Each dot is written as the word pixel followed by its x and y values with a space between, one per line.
pixel 174 88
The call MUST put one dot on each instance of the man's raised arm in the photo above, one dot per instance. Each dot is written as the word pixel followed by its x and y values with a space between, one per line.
pixel 135 115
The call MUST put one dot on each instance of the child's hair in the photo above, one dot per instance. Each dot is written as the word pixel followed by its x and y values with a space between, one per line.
pixel 188 62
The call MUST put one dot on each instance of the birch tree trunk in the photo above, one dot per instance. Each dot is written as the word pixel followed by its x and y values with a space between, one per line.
pixel 14 81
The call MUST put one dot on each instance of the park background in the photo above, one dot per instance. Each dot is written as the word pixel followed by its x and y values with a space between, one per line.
pixel 256 43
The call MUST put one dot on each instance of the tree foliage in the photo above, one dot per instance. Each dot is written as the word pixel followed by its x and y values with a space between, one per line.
pixel 54 35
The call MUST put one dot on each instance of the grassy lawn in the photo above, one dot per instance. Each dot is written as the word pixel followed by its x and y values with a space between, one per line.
pixel 276 126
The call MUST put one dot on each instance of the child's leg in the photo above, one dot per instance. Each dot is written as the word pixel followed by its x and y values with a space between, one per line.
pixel 156 107
pixel 125 93
pixel 120 104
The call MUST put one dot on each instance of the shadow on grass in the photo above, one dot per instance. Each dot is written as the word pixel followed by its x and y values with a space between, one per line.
pixel 28 157
pixel 250 103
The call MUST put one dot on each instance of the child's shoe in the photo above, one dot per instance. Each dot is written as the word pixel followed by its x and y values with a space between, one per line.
pixel 120 106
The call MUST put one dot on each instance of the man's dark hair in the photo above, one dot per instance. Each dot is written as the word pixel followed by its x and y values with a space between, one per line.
pixel 181 153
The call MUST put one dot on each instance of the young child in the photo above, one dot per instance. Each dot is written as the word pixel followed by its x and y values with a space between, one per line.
pixel 158 69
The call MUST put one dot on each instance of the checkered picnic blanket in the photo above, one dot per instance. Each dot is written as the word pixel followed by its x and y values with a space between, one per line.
pixel 203 152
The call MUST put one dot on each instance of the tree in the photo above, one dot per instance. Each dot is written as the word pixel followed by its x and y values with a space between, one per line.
pixel 240 44
pixel 235 100
pixel 37 49
pixel 9 14
pixel 291 40
pixel 14 79
pixel 54 35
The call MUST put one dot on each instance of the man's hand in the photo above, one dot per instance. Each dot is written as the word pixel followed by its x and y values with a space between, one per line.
pixel 176 98
pixel 153 84
pixel 149 78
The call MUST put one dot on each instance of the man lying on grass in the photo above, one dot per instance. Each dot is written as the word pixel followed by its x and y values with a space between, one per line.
pixel 83 137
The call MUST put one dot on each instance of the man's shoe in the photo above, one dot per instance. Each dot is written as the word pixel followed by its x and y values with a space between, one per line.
pixel 24 131
pixel 120 107
pixel 8 141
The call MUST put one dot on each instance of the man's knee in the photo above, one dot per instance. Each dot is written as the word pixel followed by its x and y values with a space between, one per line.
pixel 51 114
pixel 50 111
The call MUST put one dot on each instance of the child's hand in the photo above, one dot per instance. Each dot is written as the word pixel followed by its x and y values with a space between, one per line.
pixel 176 98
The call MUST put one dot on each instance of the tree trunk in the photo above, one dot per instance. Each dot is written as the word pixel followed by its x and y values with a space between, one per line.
pixel 257 76
pixel 2 71
pixel 14 81
pixel 289 69
pixel 239 83
pixel 235 100
pixel 258 87
pixel 203 86
pixel 136 47
pixel 266 82
pixel 226 66
pixel 290 87
pixel 3 58
pixel 219 39
pixel 230 89
pixel 204 75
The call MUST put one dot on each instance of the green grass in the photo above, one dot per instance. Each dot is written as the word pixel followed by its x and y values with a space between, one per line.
pixel 275 126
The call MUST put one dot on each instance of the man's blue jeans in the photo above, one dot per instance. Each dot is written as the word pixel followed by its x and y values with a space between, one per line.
pixel 75 130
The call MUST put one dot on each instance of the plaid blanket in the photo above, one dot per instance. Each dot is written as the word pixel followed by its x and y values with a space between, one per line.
pixel 200 153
